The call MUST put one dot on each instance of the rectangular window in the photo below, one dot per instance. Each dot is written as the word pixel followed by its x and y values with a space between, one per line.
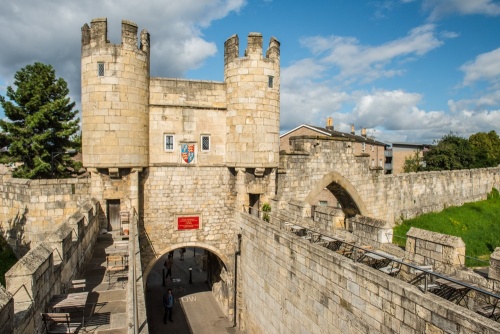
pixel 270 81
pixel 205 143
pixel 100 69
pixel 323 203
pixel 363 146
pixel 169 142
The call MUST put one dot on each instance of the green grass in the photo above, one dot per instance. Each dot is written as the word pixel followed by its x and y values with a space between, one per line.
pixel 7 259
pixel 478 224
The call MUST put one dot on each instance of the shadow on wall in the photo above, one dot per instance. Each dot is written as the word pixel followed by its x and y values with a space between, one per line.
pixel 13 233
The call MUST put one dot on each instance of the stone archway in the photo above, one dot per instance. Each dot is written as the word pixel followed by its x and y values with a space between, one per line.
pixel 201 269
pixel 343 190
pixel 173 247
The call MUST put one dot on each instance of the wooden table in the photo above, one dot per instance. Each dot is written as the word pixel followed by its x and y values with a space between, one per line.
pixel 69 301
pixel 452 291
pixel 377 259
pixel 330 243
pixel 298 230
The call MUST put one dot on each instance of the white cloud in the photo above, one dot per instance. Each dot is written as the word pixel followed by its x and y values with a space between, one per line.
pixel 364 63
pixel 486 66
pixel 440 8
pixel 49 31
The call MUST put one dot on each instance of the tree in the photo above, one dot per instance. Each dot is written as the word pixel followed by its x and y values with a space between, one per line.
pixel 41 123
pixel 451 152
pixel 413 163
pixel 486 148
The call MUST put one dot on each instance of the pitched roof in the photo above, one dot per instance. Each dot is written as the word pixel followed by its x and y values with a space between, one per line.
pixel 333 133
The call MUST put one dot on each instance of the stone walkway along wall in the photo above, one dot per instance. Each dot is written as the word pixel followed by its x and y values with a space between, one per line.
pixel 39 275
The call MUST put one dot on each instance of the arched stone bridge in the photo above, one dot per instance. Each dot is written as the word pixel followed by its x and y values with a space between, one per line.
pixel 319 162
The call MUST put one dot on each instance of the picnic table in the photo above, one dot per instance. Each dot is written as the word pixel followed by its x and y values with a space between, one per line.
pixel 377 259
pixel 452 291
pixel 298 230
pixel 68 301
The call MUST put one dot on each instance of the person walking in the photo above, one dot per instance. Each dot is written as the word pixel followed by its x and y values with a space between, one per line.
pixel 168 304
pixel 168 264
pixel 182 250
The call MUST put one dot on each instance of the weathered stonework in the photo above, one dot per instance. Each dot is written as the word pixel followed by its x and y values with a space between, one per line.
pixel 32 209
pixel 494 272
pixel 320 162
pixel 289 285
pixel 441 250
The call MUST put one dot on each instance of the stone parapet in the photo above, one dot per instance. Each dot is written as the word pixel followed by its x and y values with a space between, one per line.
pixel 32 209
pixel 307 288
pixel 494 272
pixel 6 311
pixel 39 275
pixel 371 231
pixel 436 248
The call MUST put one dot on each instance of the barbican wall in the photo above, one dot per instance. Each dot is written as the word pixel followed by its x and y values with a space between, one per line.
pixel 187 110
pixel 307 288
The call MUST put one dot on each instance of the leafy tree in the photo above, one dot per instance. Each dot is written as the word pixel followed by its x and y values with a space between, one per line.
pixel 413 163
pixel 41 123
pixel 451 152
pixel 486 148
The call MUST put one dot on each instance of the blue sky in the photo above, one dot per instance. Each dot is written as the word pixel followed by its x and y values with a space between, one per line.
pixel 407 70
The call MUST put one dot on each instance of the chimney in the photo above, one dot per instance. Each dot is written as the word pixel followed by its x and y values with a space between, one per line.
pixel 329 124
pixel 363 132
pixel 352 130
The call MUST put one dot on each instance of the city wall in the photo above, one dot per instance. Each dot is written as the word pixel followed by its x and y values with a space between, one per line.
pixel 321 162
pixel 41 273
pixel 32 209
pixel 307 288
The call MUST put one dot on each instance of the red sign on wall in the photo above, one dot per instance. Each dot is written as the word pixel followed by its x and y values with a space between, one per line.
pixel 188 223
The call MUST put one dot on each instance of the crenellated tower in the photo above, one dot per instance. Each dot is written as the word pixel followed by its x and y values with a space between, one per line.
pixel 253 103
pixel 115 97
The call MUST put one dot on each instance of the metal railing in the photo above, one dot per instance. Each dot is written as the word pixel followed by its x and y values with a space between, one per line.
pixel 135 236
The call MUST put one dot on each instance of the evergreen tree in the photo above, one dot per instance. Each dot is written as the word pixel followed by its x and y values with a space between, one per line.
pixel 41 123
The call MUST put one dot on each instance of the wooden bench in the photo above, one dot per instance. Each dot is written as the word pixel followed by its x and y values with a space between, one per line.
pixel 60 323
pixel 78 284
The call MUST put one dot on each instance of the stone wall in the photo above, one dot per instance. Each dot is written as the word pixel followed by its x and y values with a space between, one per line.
pixel 369 231
pixel 6 311
pixel 289 285
pixel 39 275
pixel 32 209
pixel 444 252
pixel 327 163
pixel 328 218
pixel 494 272
pixel 187 110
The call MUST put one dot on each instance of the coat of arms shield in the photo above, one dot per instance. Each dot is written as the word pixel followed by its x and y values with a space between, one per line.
pixel 187 152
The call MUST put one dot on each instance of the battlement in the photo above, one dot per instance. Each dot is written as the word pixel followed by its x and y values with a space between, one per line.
pixel 97 35
pixel 254 47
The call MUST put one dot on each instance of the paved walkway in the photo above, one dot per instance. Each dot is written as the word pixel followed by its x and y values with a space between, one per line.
pixel 195 310
pixel 106 305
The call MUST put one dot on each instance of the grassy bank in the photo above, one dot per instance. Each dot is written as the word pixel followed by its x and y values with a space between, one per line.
pixel 478 224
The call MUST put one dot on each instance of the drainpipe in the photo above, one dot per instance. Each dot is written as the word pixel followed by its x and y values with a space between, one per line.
pixel 236 254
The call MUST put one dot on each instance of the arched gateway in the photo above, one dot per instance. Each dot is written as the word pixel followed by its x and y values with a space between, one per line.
pixel 183 156
pixel 343 190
